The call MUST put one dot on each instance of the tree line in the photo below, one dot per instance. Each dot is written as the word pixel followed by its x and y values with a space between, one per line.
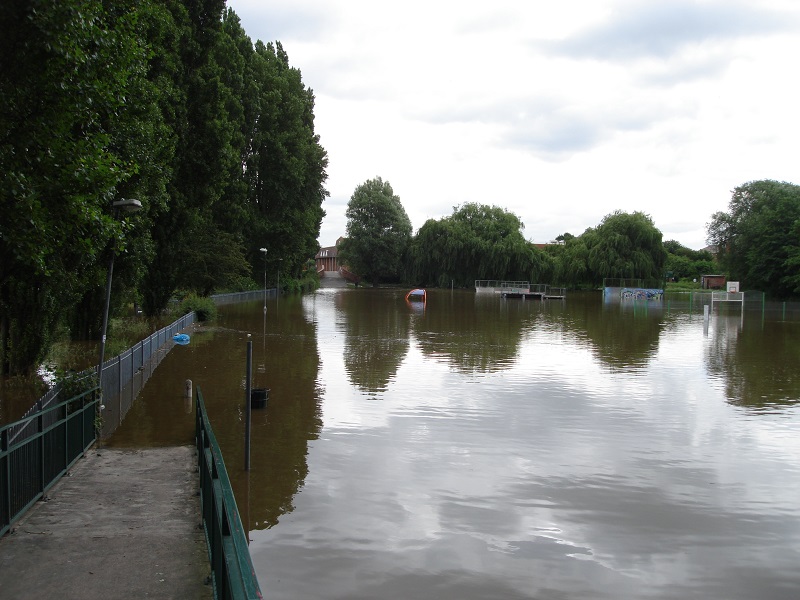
pixel 757 242
pixel 164 101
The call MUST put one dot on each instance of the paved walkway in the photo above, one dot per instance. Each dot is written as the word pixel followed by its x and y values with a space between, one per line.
pixel 122 524
pixel 332 279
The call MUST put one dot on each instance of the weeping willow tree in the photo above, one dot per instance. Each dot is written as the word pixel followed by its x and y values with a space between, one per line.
pixel 570 262
pixel 624 245
pixel 476 242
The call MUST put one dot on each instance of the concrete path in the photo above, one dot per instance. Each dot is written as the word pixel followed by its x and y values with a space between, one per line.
pixel 332 279
pixel 122 524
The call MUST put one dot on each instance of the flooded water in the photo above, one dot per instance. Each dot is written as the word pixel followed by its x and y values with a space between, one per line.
pixel 482 448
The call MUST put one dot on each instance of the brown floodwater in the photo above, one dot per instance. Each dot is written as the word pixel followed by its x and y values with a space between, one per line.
pixel 480 448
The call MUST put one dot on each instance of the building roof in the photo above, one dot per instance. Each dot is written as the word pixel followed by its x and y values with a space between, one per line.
pixel 327 252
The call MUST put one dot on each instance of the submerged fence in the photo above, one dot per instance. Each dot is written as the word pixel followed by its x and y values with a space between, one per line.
pixel 123 376
pixel 753 303
pixel 232 571
pixel 220 299
pixel 37 450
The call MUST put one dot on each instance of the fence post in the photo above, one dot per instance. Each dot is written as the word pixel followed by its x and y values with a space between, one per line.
pixel 248 405
pixel 5 518
pixel 187 397
pixel 133 372
pixel 40 443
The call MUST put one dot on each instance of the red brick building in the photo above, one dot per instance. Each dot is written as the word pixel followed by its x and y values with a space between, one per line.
pixel 327 259
pixel 712 282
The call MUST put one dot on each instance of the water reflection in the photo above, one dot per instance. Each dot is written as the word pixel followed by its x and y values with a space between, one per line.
pixel 375 325
pixel 758 362
pixel 624 335
pixel 473 333
pixel 534 450
pixel 285 360
pixel 518 450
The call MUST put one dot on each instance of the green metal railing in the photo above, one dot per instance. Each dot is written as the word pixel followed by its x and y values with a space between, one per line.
pixel 232 570
pixel 37 450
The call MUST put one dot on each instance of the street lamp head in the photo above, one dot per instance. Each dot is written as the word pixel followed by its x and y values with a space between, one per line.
pixel 264 250
pixel 128 205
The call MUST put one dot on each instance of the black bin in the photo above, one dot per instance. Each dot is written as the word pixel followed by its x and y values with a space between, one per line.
pixel 259 397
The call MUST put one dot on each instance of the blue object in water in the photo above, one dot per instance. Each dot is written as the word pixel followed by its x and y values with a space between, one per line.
pixel 181 338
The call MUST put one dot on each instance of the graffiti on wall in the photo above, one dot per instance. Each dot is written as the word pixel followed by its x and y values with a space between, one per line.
pixel 650 294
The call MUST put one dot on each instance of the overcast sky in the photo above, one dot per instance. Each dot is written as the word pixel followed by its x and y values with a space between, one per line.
pixel 559 112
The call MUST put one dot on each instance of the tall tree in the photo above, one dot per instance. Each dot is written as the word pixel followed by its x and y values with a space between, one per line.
pixel 757 238
pixel 165 101
pixel 477 241
pixel 571 260
pixel 141 132
pixel 204 157
pixel 285 164
pixel 378 232
pixel 625 245
pixel 69 69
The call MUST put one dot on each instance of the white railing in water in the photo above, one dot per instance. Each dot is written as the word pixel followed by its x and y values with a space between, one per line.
pixel 727 297
pixel 498 286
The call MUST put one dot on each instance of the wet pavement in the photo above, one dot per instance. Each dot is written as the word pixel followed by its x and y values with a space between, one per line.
pixel 332 279
pixel 120 524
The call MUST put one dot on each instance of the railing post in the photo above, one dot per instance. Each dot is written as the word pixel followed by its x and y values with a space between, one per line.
pixel 40 428
pixel 133 373
pixel 5 518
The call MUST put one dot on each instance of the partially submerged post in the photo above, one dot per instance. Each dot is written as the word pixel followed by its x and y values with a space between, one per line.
pixel 247 407
pixel 187 397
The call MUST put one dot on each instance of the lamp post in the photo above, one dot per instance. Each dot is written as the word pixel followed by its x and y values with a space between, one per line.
pixel 264 250
pixel 129 205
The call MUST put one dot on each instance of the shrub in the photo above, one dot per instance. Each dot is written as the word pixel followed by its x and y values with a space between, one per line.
pixel 203 307
pixel 682 285
pixel 74 384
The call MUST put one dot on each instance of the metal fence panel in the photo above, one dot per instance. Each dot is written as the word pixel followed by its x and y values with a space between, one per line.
pixel 232 569
pixel 221 299
pixel 55 451
pixel 121 379
pixel 54 439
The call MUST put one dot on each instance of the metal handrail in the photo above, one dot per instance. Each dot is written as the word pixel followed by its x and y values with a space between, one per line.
pixel 232 572
pixel 220 299
pixel 55 438
pixel 119 371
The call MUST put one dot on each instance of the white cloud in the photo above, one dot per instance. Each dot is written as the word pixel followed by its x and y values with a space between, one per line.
pixel 634 29
pixel 560 113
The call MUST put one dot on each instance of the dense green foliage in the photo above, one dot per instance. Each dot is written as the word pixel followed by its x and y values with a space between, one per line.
pixel 68 149
pixel 203 307
pixel 686 264
pixel 378 232
pixel 476 242
pixel 164 101
pixel 479 241
pixel 623 245
pixel 758 239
